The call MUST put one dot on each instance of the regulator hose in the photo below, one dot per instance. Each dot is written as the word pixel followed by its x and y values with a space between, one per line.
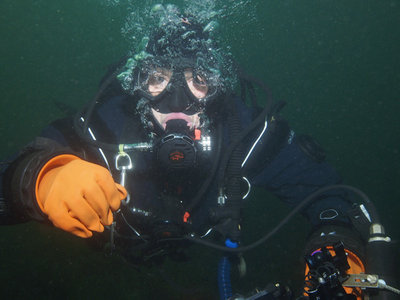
pixel 231 180
pixel 307 201
pixel 206 184
pixel 224 278
pixel 86 113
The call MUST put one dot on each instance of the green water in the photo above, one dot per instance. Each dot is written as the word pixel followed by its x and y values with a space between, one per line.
pixel 336 63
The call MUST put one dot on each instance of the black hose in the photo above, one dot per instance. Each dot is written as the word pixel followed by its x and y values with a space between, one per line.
pixel 307 201
pixel 233 176
pixel 265 113
pixel 259 120
pixel 86 113
pixel 204 187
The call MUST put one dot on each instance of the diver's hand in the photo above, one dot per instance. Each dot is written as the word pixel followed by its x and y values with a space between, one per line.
pixel 78 196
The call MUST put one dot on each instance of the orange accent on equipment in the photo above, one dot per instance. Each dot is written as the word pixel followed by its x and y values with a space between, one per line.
pixel 176 156
pixel 197 134
pixel 77 196
pixel 186 217
pixel 356 267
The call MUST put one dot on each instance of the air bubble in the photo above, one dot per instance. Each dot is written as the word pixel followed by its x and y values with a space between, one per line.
pixel 211 26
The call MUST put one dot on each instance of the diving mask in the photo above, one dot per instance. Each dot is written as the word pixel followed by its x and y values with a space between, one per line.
pixel 156 81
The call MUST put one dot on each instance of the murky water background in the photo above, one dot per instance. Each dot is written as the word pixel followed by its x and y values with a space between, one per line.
pixel 336 63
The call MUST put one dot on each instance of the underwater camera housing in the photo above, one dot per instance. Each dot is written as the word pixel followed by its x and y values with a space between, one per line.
pixel 327 273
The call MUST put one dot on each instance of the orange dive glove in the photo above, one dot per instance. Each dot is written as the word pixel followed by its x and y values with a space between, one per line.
pixel 78 196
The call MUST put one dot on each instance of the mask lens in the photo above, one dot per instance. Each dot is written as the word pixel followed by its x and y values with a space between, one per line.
pixel 155 80
pixel 197 84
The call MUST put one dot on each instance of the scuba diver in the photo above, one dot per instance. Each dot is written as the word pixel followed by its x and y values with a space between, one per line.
pixel 166 154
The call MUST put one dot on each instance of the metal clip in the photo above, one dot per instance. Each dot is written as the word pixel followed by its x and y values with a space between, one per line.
pixel 361 281
pixel 369 281
pixel 123 163
pixel 221 197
